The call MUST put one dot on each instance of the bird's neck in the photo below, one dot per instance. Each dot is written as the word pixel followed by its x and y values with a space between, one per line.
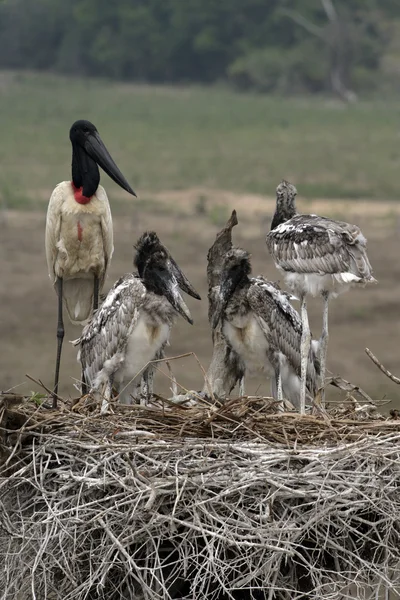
pixel 85 175
pixel 78 194
pixel 151 286
pixel 237 304
pixel 240 288
pixel 244 282
pixel 283 212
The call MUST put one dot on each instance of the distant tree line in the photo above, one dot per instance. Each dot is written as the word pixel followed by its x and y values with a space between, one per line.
pixel 267 45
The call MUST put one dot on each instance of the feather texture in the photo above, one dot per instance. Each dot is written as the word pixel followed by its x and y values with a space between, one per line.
pixel 79 246
pixel 127 332
pixel 281 325
pixel 133 325
pixel 319 254
pixel 262 327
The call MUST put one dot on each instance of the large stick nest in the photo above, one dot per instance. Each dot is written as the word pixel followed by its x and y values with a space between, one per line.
pixel 216 502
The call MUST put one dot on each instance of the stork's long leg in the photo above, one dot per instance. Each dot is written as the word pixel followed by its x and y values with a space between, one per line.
pixel 279 385
pixel 95 293
pixel 60 337
pixel 107 395
pixel 242 390
pixel 276 386
pixel 84 386
pixel 147 383
pixel 323 345
pixel 304 352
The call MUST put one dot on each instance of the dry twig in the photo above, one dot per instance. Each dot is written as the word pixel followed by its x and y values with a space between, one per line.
pixel 275 505
pixel 381 367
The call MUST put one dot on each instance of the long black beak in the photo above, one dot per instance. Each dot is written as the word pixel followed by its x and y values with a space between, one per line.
pixel 183 281
pixel 98 152
pixel 172 294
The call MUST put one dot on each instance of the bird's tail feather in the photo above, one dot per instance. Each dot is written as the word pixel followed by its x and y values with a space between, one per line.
pixel 78 299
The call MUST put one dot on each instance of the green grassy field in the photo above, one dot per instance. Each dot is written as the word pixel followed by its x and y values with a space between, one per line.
pixel 176 138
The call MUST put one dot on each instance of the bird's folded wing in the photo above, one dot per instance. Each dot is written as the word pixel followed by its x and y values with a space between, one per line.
pixel 106 230
pixel 312 244
pixel 281 325
pixel 278 319
pixel 53 228
pixel 105 337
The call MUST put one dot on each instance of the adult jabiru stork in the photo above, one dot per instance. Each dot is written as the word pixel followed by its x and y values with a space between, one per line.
pixel 79 232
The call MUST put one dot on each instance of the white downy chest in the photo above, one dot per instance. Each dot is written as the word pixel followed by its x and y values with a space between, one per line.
pixel 246 337
pixel 143 344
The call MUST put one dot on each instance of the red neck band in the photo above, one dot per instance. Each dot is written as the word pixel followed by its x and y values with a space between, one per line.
pixel 79 197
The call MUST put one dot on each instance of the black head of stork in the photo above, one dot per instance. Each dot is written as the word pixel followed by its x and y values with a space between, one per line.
pixel 235 272
pixel 159 273
pixel 88 154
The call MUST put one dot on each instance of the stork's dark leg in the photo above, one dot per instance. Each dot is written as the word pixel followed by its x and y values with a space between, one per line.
pixel 305 349
pixel 84 387
pixel 60 337
pixel 323 345
pixel 95 293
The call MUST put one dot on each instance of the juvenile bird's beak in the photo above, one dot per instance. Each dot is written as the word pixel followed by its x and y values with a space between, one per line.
pixel 95 148
pixel 183 281
pixel 175 299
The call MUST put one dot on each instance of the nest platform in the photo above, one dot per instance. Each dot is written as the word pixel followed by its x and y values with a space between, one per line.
pixel 232 501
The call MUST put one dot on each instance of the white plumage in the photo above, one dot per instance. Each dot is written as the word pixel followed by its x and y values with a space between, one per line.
pixel 244 333
pixel 79 246
pixel 79 236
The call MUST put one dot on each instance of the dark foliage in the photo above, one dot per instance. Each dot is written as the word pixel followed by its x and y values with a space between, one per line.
pixel 284 45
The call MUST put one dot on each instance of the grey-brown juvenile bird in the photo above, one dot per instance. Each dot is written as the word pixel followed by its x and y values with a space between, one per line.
pixel 263 328
pixel 317 256
pixel 134 323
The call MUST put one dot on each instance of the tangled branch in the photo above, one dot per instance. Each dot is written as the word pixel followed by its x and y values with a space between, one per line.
pixel 208 502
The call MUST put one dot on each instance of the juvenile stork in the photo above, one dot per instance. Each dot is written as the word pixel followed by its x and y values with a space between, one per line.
pixel 263 328
pixel 134 323
pixel 318 256
pixel 79 234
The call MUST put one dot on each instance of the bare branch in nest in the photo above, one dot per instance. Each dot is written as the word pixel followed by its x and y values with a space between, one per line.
pixel 250 502
pixel 349 387
pixel 39 382
pixel 381 367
